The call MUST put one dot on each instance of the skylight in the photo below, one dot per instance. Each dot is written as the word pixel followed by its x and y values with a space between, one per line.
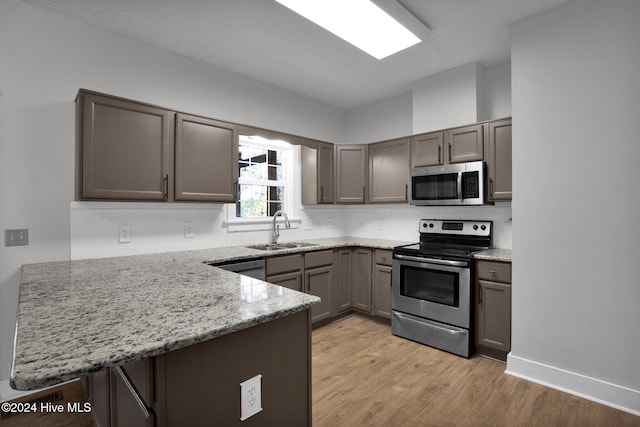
pixel 359 22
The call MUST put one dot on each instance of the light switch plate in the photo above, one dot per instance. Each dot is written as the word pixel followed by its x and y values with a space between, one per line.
pixel 189 232
pixel 16 237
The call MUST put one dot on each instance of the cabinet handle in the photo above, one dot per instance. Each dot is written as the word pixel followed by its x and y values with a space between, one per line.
pixel 165 183
pixel 322 193
pixel 491 187
pixel 450 152
pixel 406 192
pixel 439 154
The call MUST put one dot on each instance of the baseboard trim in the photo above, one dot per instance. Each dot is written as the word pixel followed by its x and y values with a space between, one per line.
pixel 613 395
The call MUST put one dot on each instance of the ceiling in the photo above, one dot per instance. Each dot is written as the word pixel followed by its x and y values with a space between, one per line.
pixel 265 41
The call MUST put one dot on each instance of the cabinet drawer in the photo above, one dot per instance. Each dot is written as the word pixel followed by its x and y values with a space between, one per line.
pixel 284 264
pixel 494 271
pixel 318 258
pixel 383 257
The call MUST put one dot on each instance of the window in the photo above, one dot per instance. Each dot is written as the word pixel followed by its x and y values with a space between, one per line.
pixel 262 177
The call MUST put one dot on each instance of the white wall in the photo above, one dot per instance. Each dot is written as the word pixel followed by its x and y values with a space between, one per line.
pixel 446 99
pixel 386 119
pixel 496 93
pixel 576 151
pixel 46 58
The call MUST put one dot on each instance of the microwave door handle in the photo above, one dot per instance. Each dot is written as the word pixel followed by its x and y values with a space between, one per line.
pixel 432 260
pixel 460 195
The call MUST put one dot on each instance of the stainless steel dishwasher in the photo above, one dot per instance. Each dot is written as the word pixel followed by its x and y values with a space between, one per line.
pixel 252 268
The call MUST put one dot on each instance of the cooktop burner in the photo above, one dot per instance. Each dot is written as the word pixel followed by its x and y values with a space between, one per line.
pixel 445 239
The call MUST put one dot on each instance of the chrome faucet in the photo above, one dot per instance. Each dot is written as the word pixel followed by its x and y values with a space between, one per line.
pixel 276 227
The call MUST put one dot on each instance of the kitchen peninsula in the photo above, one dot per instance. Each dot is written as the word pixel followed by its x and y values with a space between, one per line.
pixel 172 331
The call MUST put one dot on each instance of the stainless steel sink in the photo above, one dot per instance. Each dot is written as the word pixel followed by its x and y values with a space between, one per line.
pixel 276 246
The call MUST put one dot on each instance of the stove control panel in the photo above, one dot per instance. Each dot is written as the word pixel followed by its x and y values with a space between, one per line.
pixel 458 227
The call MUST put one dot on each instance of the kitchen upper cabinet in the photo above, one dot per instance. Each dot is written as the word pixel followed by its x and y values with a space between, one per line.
pixel 465 144
pixel 427 149
pixel 499 160
pixel 361 290
pixel 317 173
pixel 351 173
pixel 493 314
pixel 381 284
pixel 206 160
pixel 127 150
pixel 123 149
pixel 389 171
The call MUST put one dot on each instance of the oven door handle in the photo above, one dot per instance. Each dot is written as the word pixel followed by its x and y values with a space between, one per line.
pixel 432 260
pixel 431 324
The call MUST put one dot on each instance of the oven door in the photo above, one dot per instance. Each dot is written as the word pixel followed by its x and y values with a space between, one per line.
pixel 435 289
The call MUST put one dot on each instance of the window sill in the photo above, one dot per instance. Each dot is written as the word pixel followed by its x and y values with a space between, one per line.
pixel 257 224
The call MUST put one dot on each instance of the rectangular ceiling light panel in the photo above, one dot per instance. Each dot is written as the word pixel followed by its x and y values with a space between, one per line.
pixel 359 22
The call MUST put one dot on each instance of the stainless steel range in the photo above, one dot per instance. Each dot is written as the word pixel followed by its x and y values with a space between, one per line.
pixel 432 284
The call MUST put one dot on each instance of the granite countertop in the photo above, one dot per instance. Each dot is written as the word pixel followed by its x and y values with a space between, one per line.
pixel 503 255
pixel 77 317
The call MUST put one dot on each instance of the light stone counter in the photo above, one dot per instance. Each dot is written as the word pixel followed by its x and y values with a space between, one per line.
pixel 503 255
pixel 78 317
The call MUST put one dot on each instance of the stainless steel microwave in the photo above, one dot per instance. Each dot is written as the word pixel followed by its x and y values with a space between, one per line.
pixel 448 185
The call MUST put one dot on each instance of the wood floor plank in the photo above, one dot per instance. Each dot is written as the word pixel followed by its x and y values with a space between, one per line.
pixel 365 376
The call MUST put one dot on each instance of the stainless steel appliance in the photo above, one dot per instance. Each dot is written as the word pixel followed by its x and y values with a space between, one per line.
pixel 432 284
pixel 455 184
pixel 252 268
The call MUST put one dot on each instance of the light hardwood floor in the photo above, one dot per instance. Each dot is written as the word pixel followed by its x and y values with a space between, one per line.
pixel 364 376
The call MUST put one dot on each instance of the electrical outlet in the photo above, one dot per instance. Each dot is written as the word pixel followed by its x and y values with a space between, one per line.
pixel 250 397
pixel 330 221
pixel 380 223
pixel 17 237
pixel 189 232
pixel 124 233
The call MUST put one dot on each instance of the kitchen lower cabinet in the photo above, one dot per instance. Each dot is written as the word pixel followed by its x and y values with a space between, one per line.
pixel 381 283
pixel 127 407
pixel 499 161
pixel 493 309
pixel 344 271
pixel 389 171
pixel 361 282
pixel 318 281
pixel 198 385
pixel 286 271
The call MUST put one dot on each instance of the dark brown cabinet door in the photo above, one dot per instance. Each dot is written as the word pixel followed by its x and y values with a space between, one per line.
pixel 206 160
pixel 494 315
pixel 427 149
pixel 319 283
pixel 127 408
pixel 325 173
pixel 123 149
pixel 343 281
pixel 499 160
pixel 389 171
pixel 382 290
pixel 361 290
pixel 465 144
pixel 351 163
